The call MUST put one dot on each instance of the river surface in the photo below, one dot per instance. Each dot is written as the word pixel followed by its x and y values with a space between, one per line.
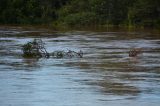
pixel 105 76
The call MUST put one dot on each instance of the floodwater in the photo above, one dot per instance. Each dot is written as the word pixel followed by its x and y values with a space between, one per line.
pixel 105 76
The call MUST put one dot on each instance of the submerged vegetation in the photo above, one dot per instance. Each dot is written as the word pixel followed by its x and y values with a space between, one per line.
pixel 36 49
pixel 78 13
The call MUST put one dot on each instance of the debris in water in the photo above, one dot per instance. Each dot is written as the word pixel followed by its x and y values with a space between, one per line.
pixel 36 49
pixel 68 54
pixel 135 52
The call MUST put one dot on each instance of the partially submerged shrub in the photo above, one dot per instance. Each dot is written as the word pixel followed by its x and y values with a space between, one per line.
pixel 68 54
pixel 35 49
pixel 58 54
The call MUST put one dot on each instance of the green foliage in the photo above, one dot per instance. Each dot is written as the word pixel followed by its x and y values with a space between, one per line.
pixel 143 13
pixel 29 11
pixel 80 19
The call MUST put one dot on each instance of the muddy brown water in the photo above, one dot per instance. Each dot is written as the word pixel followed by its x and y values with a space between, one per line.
pixel 105 76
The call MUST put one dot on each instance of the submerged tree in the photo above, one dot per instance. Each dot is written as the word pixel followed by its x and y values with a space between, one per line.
pixel 35 49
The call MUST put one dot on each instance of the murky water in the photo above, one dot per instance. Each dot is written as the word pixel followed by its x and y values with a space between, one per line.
pixel 106 76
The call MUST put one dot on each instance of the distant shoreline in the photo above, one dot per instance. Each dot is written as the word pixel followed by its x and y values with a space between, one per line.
pixel 99 28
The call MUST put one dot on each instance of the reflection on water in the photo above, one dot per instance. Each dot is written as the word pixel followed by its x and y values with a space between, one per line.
pixel 106 75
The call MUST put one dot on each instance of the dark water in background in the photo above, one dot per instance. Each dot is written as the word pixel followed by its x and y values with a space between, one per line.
pixel 106 76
